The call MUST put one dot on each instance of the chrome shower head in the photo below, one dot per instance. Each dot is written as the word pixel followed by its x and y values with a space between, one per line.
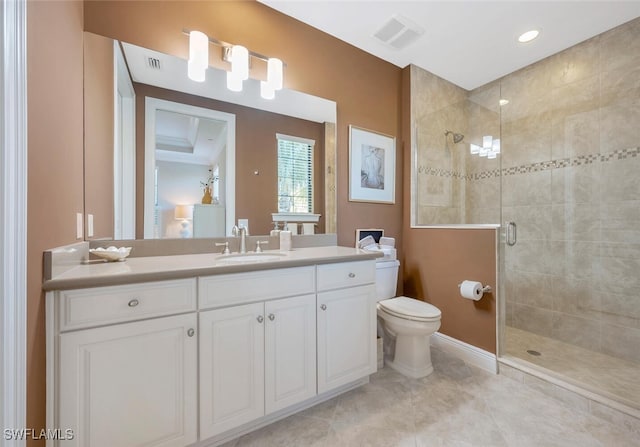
pixel 457 137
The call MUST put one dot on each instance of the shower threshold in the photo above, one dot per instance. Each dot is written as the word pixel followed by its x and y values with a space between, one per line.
pixel 573 372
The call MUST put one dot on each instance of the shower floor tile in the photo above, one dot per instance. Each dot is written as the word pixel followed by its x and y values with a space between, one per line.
pixel 613 377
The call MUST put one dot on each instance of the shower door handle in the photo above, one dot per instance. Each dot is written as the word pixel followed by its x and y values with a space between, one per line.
pixel 512 234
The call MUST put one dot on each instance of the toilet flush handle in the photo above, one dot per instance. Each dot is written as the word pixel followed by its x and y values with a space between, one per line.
pixel 323 306
pixel 352 275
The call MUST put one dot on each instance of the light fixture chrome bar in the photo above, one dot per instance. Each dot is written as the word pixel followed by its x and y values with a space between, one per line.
pixel 226 45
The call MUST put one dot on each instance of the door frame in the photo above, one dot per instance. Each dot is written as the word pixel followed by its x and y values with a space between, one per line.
pixel 13 217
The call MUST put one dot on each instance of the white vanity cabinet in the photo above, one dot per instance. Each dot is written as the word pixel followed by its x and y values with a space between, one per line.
pixel 126 383
pixel 203 360
pixel 346 323
pixel 255 358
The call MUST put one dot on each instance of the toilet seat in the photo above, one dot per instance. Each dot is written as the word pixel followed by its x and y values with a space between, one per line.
pixel 410 309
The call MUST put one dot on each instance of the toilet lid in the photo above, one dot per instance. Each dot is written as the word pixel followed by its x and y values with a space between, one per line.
pixel 410 308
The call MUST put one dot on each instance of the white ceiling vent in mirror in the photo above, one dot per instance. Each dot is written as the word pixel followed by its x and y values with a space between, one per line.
pixel 399 32
pixel 154 63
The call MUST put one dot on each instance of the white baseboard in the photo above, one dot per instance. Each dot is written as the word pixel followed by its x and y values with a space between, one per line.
pixel 469 353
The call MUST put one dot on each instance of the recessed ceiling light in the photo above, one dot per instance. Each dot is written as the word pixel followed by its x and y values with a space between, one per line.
pixel 528 36
pixel 504 102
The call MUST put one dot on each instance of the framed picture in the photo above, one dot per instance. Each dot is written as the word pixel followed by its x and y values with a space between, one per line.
pixel 372 163
pixel 375 233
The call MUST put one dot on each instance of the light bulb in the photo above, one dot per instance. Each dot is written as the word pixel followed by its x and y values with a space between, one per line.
pixel 274 73
pixel 234 83
pixel 266 90
pixel 240 62
pixel 528 36
pixel 198 56
pixel 196 72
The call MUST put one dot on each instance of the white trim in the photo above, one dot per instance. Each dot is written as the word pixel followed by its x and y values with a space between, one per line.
pixel 124 160
pixel 469 353
pixel 310 142
pixel 13 217
pixel 151 106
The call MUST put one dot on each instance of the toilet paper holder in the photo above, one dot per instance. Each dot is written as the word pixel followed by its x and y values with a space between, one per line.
pixel 485 289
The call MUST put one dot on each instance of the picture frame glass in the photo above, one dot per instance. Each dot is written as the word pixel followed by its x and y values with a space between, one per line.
pixel 372 158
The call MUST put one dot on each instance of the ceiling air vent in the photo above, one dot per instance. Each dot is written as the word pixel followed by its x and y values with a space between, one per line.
pixel 153 63
pixel 399 32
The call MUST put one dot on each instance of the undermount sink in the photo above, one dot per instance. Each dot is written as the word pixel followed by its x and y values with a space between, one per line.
pixel 247 258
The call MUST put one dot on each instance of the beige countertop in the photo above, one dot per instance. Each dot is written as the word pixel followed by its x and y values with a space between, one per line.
pixel 158 268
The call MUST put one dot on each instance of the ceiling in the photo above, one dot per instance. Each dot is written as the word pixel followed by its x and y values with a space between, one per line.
pixel 469 43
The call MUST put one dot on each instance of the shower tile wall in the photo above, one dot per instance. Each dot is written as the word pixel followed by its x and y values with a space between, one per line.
pixel 437 106
pixel 570 167
pixel 568 174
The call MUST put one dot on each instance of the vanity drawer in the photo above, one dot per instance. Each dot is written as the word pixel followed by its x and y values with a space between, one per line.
pixel 106 305
pixel 346 274
pixel 241 288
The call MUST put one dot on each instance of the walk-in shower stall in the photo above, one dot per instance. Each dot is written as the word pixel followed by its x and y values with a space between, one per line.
pixel 564 185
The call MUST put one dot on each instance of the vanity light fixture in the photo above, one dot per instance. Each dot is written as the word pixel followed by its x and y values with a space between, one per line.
pixel 528 36
pixel 239 57
pixel 198 56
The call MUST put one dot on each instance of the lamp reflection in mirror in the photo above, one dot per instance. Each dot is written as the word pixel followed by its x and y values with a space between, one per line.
pixel 234 83
pixel 490 147
pixel 184 213
pixel 198 56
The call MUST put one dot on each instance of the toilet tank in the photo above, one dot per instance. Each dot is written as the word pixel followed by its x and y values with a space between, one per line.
pixel 386 279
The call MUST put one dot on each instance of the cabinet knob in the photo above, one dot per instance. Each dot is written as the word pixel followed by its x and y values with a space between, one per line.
pixel 352 275
pixel 134 302
pixel 272 317
pixel 260 318
pixel 191 332
pixel 323 306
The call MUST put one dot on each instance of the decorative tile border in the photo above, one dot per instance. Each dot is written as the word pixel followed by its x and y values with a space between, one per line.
pixel 581 160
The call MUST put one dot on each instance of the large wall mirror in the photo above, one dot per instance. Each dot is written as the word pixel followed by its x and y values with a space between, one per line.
pixel 155 141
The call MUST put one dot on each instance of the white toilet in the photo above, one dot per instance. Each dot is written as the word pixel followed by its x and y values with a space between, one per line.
pixel 406 324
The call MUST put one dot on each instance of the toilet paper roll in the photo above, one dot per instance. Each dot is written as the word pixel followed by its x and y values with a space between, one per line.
pixel 471 290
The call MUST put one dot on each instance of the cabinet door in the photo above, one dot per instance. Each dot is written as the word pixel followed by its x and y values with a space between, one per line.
pixel 131 384
pixel 231 367
pixel 346 336
pixel 290 351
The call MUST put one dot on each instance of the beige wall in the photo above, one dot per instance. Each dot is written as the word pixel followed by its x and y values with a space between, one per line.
pixel 366 89
pixel 436 260
pixel 256 150
pixel 54 85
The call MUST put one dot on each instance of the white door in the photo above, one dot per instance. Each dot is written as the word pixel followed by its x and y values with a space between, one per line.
pixel 231 367
pixel 346 336
pixel 131 384
pixel 290 351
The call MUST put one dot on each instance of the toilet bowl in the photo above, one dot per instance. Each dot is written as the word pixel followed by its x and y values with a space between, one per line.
pixel 406 324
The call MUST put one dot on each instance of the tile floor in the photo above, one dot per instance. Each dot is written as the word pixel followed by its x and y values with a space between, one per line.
pixel 613 377
pixel 458 405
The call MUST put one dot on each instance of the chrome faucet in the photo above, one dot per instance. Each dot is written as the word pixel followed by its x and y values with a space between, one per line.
pixel 242 232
